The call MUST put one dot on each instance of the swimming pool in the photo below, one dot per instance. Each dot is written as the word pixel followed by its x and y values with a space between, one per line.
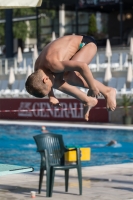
pixel 18 147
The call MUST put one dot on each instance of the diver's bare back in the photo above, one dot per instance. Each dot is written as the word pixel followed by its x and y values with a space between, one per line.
pixel 61 49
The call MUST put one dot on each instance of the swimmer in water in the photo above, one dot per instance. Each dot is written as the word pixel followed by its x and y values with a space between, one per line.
pixel 112 142
pixel 63 65
pixel 44 130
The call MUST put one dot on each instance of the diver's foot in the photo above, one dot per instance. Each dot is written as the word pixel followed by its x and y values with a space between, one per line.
pixel 111 99
pixel 87 107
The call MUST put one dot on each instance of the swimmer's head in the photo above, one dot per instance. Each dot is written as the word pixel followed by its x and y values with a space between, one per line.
pixel 43 128
pixel 112 142
pixel 39 84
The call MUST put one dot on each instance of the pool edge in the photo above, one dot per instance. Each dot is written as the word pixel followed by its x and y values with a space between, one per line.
pixel 65 124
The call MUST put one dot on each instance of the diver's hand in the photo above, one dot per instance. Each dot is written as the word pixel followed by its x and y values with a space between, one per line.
pixel 54 102
pixel 94 93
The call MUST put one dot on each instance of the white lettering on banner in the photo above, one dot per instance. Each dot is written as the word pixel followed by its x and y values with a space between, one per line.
pixel 64 110
pixel 42 109
pixel 57 112
pixel 68 110
pixel 50 111
pixel 81 111
pixel 74 112
pixel 44 112
pixel 46 109
pixel 71 112
pixel 78 112
pixel 25 106
pixel 35 106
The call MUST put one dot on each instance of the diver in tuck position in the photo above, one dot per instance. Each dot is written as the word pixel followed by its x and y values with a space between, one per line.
pixel 63 64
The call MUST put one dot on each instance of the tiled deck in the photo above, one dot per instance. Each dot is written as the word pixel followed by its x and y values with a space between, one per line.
pixel 110 182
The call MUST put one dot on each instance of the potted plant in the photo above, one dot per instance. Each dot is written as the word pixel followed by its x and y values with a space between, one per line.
pixel 92 29
pixel 126 102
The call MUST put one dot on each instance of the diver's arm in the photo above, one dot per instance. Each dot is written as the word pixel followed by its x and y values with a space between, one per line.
pixel 53 100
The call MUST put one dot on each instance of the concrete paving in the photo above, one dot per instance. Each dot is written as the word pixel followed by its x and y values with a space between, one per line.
pixel 108 182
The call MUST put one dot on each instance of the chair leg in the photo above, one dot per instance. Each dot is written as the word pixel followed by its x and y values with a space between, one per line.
pixel 48 183
pixel 66 179
pixel 80 179
pixel 52 181
pixel 40 180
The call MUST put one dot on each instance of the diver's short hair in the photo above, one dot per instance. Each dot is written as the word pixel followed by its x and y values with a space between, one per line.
pixel 34 85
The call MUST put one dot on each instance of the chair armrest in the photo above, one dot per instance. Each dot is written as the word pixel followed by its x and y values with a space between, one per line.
pixel 68 149
pixel 71 148
pixel 78 153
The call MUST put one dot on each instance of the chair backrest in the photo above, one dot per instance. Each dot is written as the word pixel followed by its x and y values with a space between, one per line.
pixel 0 84
pixel 54 145
pixel 4 84
pixel 121 83
pixel 124 58
pixel 100 79
pixel 15 85
pixel 21 85
pixel 115 58
pixel 102 58
pixel 93 60
pixel 131 85
pixel 112 82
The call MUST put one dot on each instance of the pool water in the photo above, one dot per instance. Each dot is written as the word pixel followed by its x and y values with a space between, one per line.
pixel 17 145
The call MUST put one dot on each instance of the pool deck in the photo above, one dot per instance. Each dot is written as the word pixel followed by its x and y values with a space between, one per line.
pixel 108 182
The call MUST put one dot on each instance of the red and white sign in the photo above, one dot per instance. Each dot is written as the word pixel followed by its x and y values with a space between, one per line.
pixel 40 109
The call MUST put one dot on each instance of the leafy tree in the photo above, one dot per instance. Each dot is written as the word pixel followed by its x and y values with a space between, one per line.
pixel 92 29
pixel 2 27
pixel 32 31
pixel 2 33
pixel 23 12
pixel 20 29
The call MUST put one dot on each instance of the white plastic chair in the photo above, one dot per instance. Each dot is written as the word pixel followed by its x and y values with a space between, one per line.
pixel 10 92
pixel 24 93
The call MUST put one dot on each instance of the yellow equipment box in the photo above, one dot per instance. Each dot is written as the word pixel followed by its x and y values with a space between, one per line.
pixel 85 154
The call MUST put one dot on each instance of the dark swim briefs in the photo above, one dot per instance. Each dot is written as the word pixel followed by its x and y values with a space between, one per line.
pixel 86 40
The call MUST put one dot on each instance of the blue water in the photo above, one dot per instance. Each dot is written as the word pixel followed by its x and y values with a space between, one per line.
pixel 17 145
